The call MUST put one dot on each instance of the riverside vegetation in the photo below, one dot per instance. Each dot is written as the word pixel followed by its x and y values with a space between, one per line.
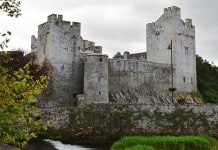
pixel 166 143
pixel 21 81
pixel 207 80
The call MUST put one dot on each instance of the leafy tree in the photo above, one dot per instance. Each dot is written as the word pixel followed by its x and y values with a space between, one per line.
pixel 12 9
pixel 19 121
pixel 207 80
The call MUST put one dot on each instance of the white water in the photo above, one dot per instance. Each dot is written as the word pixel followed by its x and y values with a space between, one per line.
pixel 60 146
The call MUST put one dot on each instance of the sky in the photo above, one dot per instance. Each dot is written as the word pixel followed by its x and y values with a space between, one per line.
pixel 116 25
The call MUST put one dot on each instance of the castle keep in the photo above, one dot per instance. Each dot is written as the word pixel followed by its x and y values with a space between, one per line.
pixel 81 74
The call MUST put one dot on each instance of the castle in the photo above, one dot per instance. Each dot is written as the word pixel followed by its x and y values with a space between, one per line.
pixel 81 74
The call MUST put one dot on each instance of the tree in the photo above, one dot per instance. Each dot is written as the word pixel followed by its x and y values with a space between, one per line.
pixel 19 121
pixel 207 80
pixel 12 9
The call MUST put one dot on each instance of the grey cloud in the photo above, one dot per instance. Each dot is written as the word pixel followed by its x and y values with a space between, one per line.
pixel 120 25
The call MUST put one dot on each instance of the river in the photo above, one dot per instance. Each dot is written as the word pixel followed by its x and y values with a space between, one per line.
pixel 48 144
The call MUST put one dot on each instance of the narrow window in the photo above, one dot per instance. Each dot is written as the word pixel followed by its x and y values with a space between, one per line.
pixel 184 79
pixel 186 50
pixel 99 93
pixel 191 81
pixel 74 95
pixel 100 59
pixel 99 79
pixel 157 36
pixel 62 67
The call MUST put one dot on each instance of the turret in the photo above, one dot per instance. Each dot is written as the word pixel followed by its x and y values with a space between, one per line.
pixel 96 78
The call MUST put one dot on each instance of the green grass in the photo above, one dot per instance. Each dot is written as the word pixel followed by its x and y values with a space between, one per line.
pixel 140 147
pixel 166 143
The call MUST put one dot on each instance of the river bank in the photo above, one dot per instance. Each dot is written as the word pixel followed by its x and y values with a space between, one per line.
pixel 7 147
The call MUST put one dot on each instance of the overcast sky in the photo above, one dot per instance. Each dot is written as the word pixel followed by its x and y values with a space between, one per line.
pixel 117 25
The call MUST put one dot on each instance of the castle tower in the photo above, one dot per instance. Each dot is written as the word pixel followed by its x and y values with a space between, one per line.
pixel 169 27
pixel 58 43
pixel 96 78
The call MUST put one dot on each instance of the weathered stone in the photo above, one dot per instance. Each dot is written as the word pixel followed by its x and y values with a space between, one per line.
pixel 103 121
pixel 169 27
pixel 80 68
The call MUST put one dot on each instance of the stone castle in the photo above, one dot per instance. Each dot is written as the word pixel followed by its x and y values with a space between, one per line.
pixel 81 74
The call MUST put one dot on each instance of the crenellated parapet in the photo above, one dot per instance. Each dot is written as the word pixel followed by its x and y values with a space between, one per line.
pixel 188 23
pixel 172 12
pixel 150 25
pixel 171 9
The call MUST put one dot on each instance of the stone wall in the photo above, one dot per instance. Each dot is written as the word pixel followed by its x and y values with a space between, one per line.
pixel 105 122
pixel 170 27
pixel 137 81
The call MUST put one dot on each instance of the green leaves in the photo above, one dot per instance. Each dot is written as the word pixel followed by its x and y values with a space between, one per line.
pixel 207 80
pixel 11 7
pixel 19 115
pixel 5 39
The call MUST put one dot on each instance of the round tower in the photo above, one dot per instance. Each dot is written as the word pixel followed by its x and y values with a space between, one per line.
pixel 96 78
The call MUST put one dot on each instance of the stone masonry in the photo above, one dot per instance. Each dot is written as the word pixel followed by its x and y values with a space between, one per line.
pixel 81 74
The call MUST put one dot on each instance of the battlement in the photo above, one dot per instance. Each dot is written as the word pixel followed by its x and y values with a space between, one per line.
pixel 172 12
pixel 151 25
pixel 58 19
pixel 171 9
pixel 54 17
pixel 188 22
pixel 76 24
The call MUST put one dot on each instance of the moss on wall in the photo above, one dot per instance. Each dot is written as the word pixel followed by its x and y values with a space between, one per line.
pixel 105 123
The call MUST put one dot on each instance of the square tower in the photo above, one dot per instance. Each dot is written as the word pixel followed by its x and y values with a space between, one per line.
pixel 170 27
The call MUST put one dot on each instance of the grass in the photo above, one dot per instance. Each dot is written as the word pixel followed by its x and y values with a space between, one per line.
pixel 166 143
pixel 140 147
pixel 216 146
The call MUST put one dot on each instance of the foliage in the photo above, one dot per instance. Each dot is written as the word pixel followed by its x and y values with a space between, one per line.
pixel 207 80
pixel 165 142
pixel 19 121
pixel 5 39
pixel 11 7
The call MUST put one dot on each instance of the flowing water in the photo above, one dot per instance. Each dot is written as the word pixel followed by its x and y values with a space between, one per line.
pixel 48 144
